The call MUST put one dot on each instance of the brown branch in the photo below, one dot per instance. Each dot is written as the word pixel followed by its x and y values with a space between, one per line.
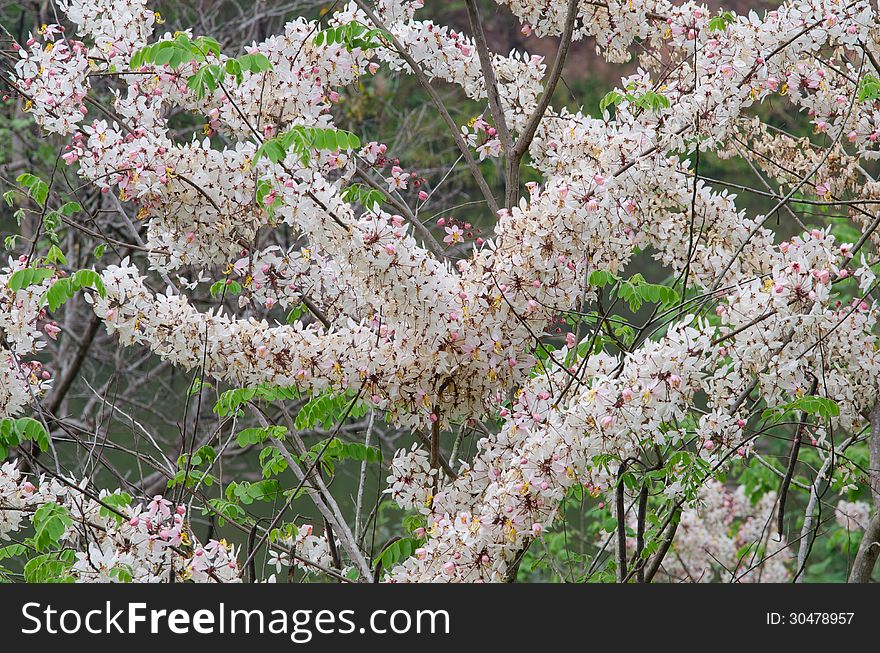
pixel 438 103
pixel 489 76
pixel 621 524
pixel 528 133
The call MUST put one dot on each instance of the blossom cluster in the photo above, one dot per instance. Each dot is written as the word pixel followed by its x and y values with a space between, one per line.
pixel 115 541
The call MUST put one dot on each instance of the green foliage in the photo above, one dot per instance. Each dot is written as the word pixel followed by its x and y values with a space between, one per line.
pixel 821 407
pixel 259 435
pixel 207 78
pixel 647 101
pixel 328 452
pixel 612 98
pixel 720 22
pixel 55 256
pixel 231 401
pixel 369 198
pixel 224 510
pixel 193 470
pixel 121 573
pixel 50 568
pixel 51 521
pixel 12 551
pixel 70 208
pixel 398 550
pixel 228 286
pixel 175 52
pixel 601 278
pixel 352 36
pixel 296 313
pixel 36 188
pixel 337 450
pixel 246 493
pixel 869 89
pixel 264 188
pixel 28 276
pixel 635 291
pixel 301 140
pixel 119 500
pixel 272 462
pixel 64 289
pixel 13 432
pixel 327 409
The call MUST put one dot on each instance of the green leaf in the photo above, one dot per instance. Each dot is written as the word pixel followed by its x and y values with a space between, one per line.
pixel 15 431
pixel 122 573
pixel 51 521
pixel 58 293
pixel 259 435
pixel 612 98
pixel 326 409
pixel 29 276
pixel 231 287
pixel 353 35
pixel 64 289
pixel 231 401
pixel 821 407
pixel 70 208
pixel 272 149
pixel 368 197
pixel 233 68
pixel 254 63
pixel 50 568
pixel 272 462
pixel 36 187
pixel 869 89
pixel 601 278
pixel 12 551
pixel 719 23
pixel 119 500
pixel 223 508
pixel 396 551
pixel 56 256
pixel 88 279
pixel 205 80
pixel 300 140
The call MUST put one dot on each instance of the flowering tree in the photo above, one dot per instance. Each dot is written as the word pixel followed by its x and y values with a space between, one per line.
pixel 653 413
